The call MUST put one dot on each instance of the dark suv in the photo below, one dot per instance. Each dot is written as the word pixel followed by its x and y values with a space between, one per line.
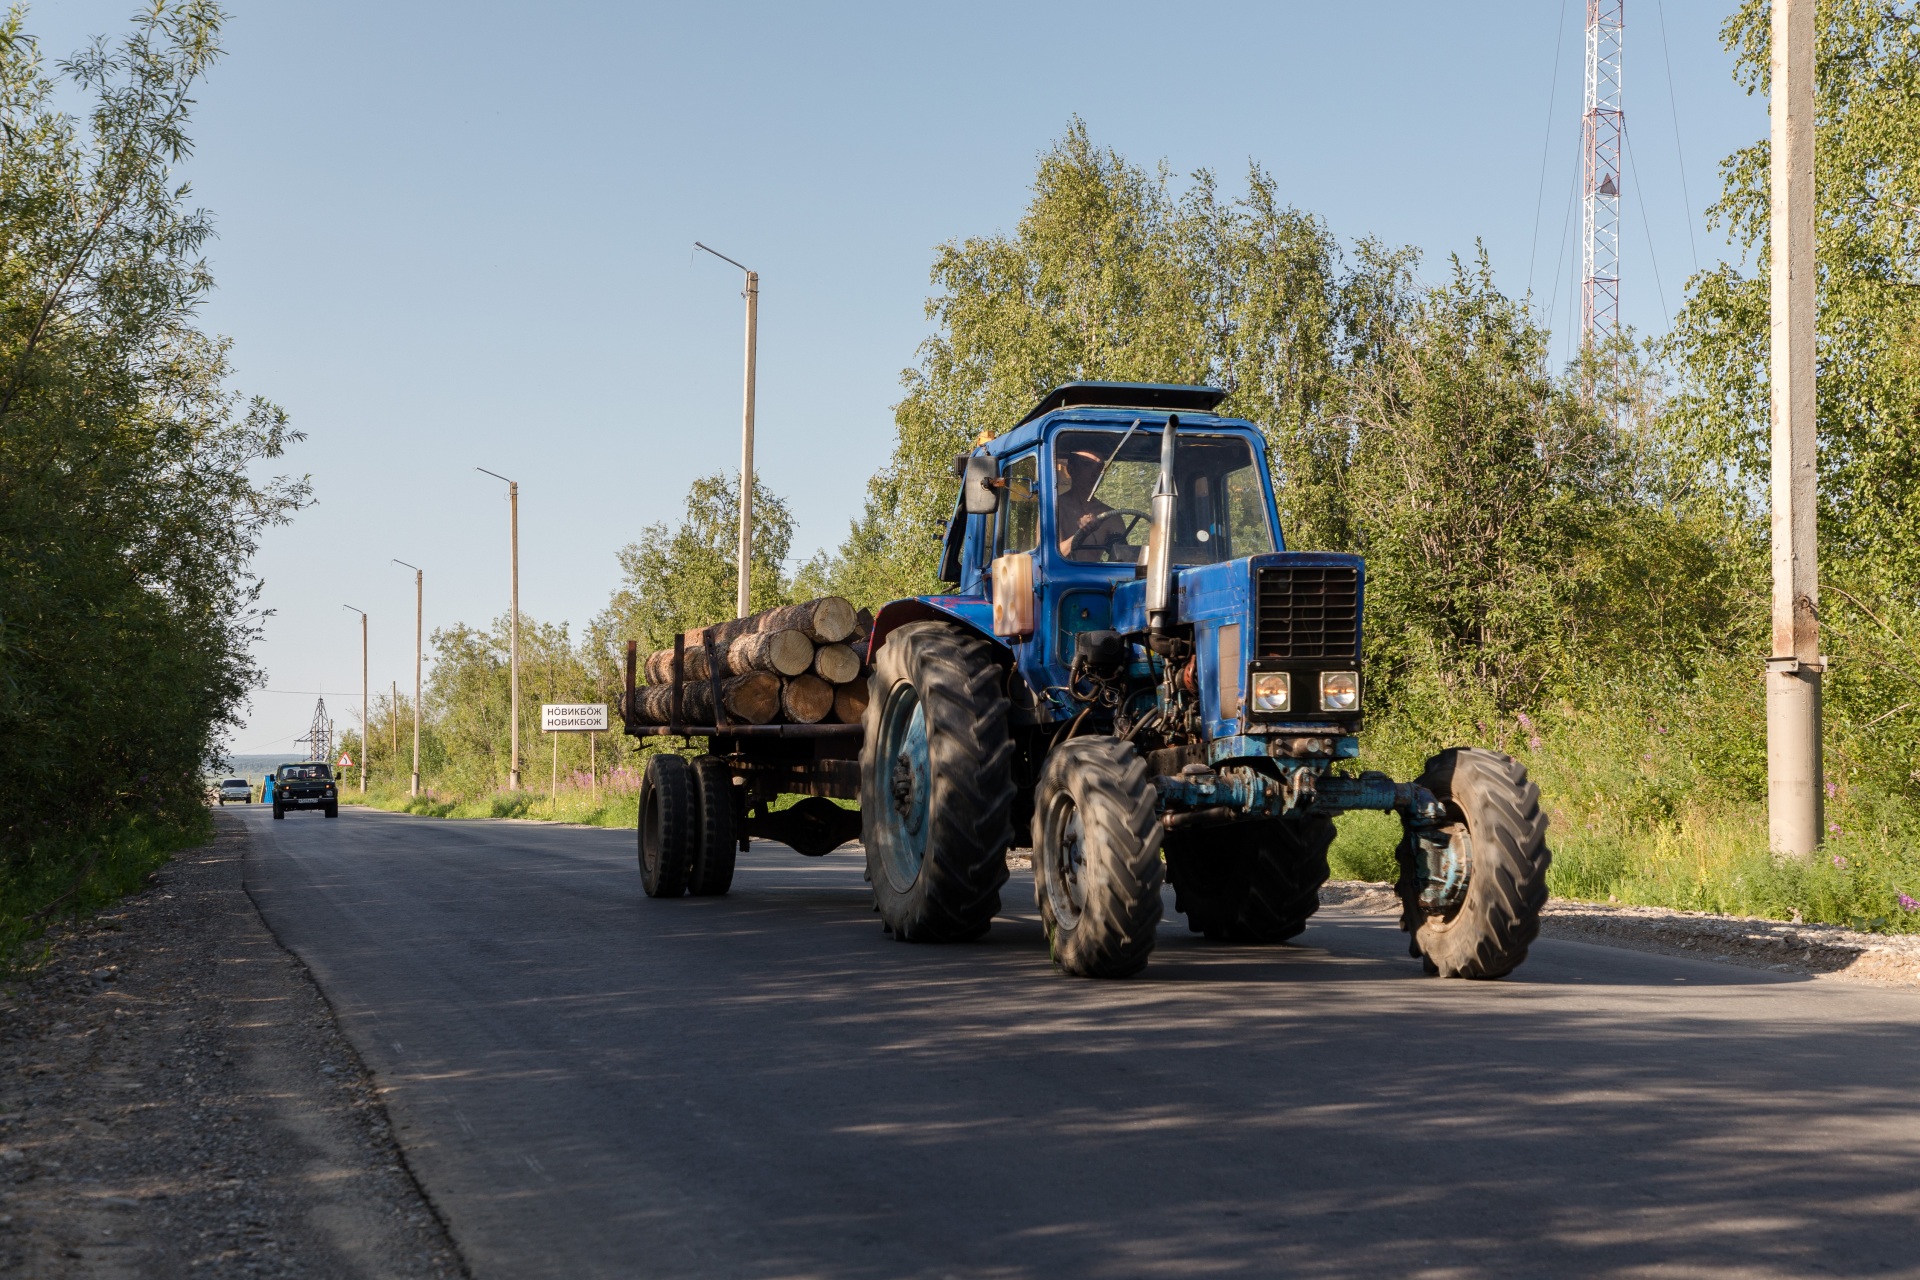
pixel 308 785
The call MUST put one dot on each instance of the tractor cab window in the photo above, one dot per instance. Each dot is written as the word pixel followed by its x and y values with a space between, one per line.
pixel 1020 510
pixel 1103 489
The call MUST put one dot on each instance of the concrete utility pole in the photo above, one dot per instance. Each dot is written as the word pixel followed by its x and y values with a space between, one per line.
pixel 419 613
pixel 393 716
pixel 513 659
pixel 1795 805
pixel 752 294
pixel 365 724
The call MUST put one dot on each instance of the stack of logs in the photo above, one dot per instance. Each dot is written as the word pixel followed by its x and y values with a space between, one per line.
pixel 801 663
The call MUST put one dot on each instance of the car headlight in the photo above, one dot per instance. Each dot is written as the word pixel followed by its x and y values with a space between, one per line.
pixel 1339 690
pixel 1272 691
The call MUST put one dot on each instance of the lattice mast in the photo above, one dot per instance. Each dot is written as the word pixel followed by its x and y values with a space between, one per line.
pixel 319 737
pixel 1602 132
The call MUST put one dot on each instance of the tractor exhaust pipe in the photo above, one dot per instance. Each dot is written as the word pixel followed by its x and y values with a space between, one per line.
pixel 1160 611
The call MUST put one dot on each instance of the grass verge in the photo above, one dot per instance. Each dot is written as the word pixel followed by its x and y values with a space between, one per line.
pixel 79 874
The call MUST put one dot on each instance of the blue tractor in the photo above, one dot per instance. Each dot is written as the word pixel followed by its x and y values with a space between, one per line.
pixel 1135 679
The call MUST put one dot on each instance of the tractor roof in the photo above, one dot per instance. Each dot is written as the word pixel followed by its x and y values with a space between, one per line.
pixel 1128 395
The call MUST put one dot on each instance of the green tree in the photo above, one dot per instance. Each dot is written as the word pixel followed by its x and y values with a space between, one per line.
pixel 129 510
pixel 679 577
pixel 1112 275
pixel 1867 352
pixel 1867 184
pixel 1419 426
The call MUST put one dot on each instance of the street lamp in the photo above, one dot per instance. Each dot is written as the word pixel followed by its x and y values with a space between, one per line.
pixel 419 613
pixel 752 295
pixel 365 726
pixel 513 661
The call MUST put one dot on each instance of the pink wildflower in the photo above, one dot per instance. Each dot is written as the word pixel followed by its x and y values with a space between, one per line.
pixel 1839 862
pixel 1908 904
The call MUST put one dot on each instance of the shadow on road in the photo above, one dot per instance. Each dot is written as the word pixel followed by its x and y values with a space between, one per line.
pixel 767 1084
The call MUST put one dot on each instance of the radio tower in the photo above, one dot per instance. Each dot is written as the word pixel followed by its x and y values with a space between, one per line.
pixel 1603 127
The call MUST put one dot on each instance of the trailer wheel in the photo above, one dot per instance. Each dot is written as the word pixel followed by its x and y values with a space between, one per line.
pixel 1255 882
pixel 1486 933
pixel 666 826
pixel 936 783
pixel 278 812
pixel 715 836
pixel 1096 858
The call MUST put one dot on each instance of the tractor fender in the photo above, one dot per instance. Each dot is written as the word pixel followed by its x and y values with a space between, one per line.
pixel 975 613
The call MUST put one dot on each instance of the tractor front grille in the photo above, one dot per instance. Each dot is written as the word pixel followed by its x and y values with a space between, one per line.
pixel 1306 611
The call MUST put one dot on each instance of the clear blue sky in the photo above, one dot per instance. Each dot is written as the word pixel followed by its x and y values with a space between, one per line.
pixel 457 234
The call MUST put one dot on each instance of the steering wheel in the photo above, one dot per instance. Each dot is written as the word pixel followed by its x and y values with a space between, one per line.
pixel 1133 517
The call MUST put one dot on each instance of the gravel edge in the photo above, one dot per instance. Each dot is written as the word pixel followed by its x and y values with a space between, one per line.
pixel 176 1097
pixel 1820 950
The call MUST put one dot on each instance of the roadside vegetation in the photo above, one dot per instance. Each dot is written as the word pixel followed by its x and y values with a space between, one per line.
pixel 1569 564
pixel 130 503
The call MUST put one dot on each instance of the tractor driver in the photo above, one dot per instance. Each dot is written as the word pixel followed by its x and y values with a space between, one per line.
pixel 1086 526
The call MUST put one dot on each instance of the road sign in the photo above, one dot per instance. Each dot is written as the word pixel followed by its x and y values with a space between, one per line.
pixel 573 717
pixel 346 761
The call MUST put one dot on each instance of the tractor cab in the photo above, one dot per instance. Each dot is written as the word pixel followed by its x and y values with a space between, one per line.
pixel 1050 551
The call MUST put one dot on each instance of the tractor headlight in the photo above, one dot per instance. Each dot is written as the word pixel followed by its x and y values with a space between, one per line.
pixel 1339 690
pixel 1272 691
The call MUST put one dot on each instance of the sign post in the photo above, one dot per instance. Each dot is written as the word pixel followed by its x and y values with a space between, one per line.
pixel 557 718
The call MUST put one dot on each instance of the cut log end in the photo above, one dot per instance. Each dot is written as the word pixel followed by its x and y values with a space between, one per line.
pixel 836 663
pixel 850 702
pixel 806 699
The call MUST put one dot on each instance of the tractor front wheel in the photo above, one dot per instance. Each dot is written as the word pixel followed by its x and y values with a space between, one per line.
pixel 1096 858
pixel 936 783
pixel 1497 839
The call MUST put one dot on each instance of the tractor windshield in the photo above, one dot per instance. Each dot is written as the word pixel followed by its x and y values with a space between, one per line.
pixel 1102 515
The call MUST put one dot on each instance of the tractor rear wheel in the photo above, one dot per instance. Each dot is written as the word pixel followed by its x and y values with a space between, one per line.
pixel 715 838
pixel 1485 930
pixel 1255 882
pixel 1096 858
pixel 667 826
pixel 936 783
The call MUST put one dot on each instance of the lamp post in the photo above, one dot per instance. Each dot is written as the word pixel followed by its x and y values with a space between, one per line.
pixel 419 613
pixel 513 658
pixel 752 295
pixel 365 724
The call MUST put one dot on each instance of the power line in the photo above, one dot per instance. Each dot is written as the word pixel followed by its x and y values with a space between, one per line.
pixel 1673 102
pixel 1646 227
pixel 1546 144
pixel 1560 258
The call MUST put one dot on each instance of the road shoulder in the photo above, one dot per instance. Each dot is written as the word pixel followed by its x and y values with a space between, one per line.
pixel 175 1095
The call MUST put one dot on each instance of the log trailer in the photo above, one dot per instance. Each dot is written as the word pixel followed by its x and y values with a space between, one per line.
pixel 1135 679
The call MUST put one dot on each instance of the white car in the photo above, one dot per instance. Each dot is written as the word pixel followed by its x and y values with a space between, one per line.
pixel 236 789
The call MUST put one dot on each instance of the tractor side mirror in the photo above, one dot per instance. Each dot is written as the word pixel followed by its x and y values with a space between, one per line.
pixel 979 477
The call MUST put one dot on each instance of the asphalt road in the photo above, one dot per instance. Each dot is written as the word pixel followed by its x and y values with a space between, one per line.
pixel 591 1083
